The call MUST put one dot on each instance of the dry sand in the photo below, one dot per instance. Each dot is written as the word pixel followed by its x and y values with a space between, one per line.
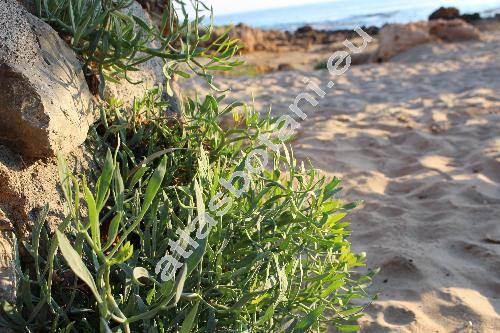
pixel 418 139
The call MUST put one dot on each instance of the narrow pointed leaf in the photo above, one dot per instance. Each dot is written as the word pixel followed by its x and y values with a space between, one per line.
pixel 76 264
pixel 188 323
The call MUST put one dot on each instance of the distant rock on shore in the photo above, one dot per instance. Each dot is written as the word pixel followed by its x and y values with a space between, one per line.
pixel 255 39
pixel 452 13
pixel 397 38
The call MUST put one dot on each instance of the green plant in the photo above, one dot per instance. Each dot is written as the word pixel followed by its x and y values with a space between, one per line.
pixel 321 65
pixel 278 261
pixel 113 41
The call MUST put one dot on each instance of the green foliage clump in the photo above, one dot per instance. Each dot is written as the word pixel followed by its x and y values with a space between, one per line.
pixel 113 41
pixel 279 260
pixel 321 65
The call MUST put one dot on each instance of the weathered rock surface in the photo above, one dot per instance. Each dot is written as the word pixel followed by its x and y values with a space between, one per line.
pixel 397 38
pixel 45 104
pixel 24 190
pixel 150 73
pixel 453 30
pixel 252 39
pixel 452 13
pixel 255 39
pixel 445 13
pixel 471 18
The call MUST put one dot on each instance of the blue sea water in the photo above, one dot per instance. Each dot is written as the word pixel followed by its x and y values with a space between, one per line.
pixel 346 14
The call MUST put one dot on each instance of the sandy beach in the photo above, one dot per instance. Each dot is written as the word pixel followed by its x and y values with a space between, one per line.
pixel 126 208
pixel 418 139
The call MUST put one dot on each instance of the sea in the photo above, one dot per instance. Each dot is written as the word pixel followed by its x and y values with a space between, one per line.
pixel 347 14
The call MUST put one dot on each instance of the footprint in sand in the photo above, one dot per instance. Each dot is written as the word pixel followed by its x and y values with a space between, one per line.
pixel 398 316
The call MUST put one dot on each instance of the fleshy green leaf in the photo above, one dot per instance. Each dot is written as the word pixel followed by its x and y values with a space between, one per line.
pixel 93 216
pixel 305 323
pixel 113 230
pixel 76 264
pixel 188 323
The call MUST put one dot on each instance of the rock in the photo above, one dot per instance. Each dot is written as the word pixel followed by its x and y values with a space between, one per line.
pixel 304 30
pixel 251 39
pixel 26 186
pixel 29 5
pixel 150 73
pixel 371 30
pixel 285 67
pixel 397 38
pixel 24 190
pixel 453 30
pixel 471 17
pixel 254 39
pixel 445 13
pixel 45 104
pixel 5 223
pixel 361 58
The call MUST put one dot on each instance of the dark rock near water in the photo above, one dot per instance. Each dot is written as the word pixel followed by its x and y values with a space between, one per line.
pixel 445 13
pixel 471 17
pixel 304 30
pixel 398 38
pixel 452 13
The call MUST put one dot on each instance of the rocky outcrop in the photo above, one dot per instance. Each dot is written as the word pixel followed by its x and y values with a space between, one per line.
pixel 453 30
pixel 452 13
pixel 397 38
pixel 255 39
pixel 445 13
pixel 25 188
pixel 471 18
pixel 325 37
pixel 45 104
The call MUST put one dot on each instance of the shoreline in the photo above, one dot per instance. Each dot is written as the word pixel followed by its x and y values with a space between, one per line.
pixel 349 23
pixel 307 49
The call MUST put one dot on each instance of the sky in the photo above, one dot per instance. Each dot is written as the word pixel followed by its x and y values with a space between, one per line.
pixel 222 7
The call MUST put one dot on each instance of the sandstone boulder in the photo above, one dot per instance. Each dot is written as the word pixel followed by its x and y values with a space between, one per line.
pixel 45 104
pixel 251 39
pixel 25 188
pixel 397 38
pixel 445 13
pixel 453 30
